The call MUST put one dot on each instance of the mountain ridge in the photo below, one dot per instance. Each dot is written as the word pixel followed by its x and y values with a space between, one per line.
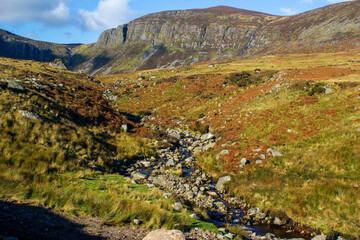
pixel 185 37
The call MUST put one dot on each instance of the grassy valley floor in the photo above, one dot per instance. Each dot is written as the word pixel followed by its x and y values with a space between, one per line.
pixel 306 106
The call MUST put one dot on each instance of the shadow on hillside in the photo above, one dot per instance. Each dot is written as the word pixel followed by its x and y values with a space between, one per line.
pixel 28 222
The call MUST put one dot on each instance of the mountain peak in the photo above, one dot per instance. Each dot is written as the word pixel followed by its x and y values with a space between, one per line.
pixel 228 10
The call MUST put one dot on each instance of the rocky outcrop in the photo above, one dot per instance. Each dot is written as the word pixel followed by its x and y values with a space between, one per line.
pixel 14 46
pixel 178 38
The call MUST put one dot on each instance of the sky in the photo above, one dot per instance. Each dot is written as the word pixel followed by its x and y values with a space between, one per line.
pixel 82 21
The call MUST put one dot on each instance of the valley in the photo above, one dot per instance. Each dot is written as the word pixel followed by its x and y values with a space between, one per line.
pixel 216 123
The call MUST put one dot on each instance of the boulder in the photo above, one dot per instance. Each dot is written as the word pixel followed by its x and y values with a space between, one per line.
pixel 223 152
pixel 208 146
pixel 177 206
pixel 230 236
pixel 170 163
pixel 273 152
pixel 244 161
pixel 279 222
pixel 220 183
pixel 165 235
pixel 137 221
pixel 29 115
pixel 319 237
pixel 194 216
pixel 125 127
pixel 146 164
pixel 139 176
pixel 175 134
pixel 13 85
pixel 207 137
pixel 160 181
pixel 58 63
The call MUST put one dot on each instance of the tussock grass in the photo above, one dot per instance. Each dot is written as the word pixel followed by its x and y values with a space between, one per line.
pixel 58 163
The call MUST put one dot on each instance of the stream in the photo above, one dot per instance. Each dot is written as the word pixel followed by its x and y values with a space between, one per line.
pixel 174 170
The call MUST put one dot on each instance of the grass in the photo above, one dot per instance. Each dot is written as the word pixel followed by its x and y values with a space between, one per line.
pixel 315 183
pixel 71 165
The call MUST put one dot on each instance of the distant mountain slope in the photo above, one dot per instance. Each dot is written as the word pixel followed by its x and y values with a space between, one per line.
pixel 14 46
pixel 185 37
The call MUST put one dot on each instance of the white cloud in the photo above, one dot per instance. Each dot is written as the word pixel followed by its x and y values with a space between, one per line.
pixel 288 11
pixel 108 14
pixel 48 12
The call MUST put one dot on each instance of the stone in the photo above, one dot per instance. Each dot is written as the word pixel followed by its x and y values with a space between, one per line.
pixel 58 63
pixel 263 156
pixel 207 137
pixel 220 183
pixel 212 193
pixel 278 221
pixel 177 206
pixel 29 115
pixel 162 234
pixel 328 90
pixel 195 189
pixel 124 127
pixel 223 152
pixel 194 216
pixel 230 235
pixel 150 185
pixel 139 176
pixel 319 237
pixel 243 161
pixel 259 161
pixel 221 206
pixel 137 221
pixel 253 211
pixel 145 164
pixel 14 86
pixel 167 195
pixel 208 146
pixel 260 215
pixel 274 153
pixel 175 134
pixel 170 163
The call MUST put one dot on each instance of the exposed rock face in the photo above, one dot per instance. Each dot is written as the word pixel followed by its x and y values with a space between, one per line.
pixel 177 38
pixel 14 46
pixel 58 63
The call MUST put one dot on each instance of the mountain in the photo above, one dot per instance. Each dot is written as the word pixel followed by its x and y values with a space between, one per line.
pixel 14 46
pixel 185 37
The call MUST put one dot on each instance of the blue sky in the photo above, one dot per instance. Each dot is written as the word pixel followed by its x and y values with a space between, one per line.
pixel 82 21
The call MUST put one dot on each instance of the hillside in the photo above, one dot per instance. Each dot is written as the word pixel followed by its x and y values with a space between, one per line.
pixel 305 107
pixel 63 144
pixel 186 37
pixel 179 38
pixel 14 46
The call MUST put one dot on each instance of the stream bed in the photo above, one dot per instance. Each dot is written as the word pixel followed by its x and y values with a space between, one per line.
pixel 174 170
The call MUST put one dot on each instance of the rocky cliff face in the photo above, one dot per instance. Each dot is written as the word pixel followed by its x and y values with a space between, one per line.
pixel 177 38
pixel 216 28
pixel 14 46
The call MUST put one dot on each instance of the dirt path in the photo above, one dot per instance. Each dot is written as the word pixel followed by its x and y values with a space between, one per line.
pixel 24 221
